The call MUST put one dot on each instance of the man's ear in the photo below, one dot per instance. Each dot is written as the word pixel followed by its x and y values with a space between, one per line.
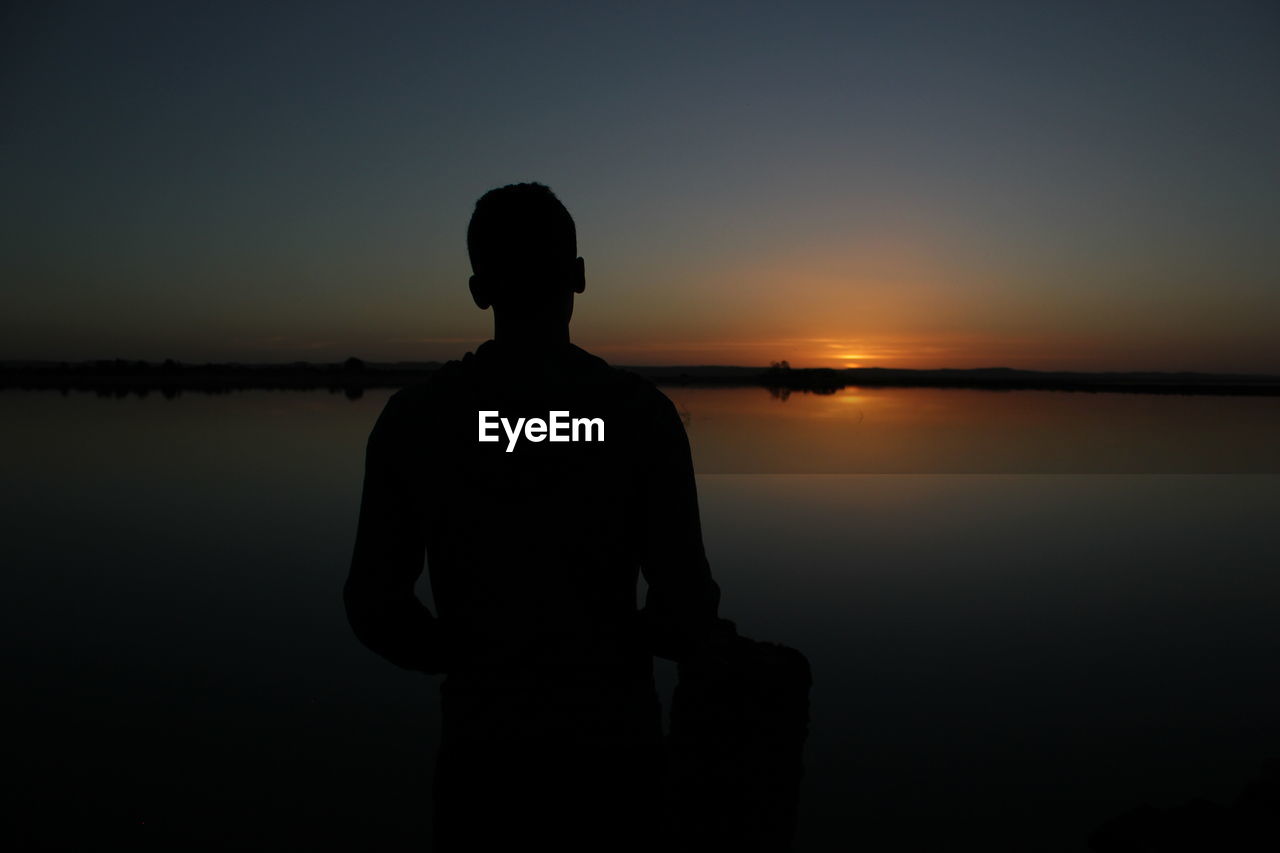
pixel 479 293
pixel 579 276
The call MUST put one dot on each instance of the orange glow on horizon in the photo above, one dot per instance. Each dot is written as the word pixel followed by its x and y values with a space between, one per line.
pixel 903 352
pixel 912 352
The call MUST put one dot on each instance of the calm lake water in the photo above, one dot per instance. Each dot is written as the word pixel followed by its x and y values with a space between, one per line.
pixel 1025 611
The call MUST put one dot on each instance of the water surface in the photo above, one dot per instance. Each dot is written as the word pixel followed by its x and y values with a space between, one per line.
pixel 1025 611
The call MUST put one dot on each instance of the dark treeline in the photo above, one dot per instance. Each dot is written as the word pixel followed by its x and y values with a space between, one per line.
pixel 119 377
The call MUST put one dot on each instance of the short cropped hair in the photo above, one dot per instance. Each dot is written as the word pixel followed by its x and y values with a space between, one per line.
pixel 518 229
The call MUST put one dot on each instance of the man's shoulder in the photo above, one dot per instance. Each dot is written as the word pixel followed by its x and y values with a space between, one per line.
pixel 633 389
pixel 642 390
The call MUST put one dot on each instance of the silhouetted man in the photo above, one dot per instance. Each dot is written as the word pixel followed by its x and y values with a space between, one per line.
pixel 538 482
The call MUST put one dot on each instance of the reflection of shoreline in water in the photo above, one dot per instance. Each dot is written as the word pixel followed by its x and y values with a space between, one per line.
pixel 354 374
pixel 957 430
pixel 855 430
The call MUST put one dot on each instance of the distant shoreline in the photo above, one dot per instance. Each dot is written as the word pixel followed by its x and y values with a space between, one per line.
pixel 169 377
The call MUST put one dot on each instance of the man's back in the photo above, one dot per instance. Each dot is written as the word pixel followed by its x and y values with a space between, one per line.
pixel 533 544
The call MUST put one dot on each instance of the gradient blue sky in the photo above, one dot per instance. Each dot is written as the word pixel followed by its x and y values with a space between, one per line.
pixel 1039 185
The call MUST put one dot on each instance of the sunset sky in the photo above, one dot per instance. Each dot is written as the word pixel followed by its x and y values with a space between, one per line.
pixel 1037 185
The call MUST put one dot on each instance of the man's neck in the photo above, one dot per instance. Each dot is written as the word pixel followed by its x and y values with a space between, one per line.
pixel 532 337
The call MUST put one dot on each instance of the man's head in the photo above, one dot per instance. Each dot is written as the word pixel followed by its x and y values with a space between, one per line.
pixel 524 252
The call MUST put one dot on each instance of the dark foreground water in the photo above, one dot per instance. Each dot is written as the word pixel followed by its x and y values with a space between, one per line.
pixel 1025 612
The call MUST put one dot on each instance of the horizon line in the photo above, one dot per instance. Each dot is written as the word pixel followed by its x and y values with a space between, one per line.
pixel 47 363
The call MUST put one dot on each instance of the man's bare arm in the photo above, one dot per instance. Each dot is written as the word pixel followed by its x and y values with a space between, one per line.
pixel 382 607
pixel 681 606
